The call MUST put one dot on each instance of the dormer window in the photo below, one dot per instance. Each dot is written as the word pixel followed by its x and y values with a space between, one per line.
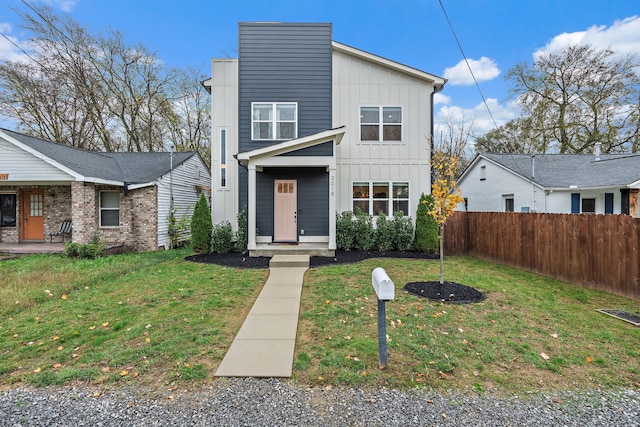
pixel 274 121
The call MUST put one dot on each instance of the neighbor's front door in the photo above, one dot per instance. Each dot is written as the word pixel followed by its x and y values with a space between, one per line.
pixel 32 215
pixel 285 211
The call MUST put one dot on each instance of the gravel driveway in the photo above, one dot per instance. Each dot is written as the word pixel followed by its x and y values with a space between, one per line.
pixel 272 402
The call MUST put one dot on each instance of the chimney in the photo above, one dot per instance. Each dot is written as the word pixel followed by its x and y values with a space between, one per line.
pixel 597 150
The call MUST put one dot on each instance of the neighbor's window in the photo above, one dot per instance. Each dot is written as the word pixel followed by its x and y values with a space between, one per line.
pixel 375 198
pixel 483 173
pixel 109 208
pixel 7 210
pixel 588 205
pixel 380 123
pixel 274 120
pixel 223 158
pixel 508 204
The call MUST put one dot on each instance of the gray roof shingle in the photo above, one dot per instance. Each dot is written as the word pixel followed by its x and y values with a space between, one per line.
pixel 567 170
pixel 132 168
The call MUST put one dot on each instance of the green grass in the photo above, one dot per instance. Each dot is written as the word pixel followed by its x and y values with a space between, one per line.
pixel 156 319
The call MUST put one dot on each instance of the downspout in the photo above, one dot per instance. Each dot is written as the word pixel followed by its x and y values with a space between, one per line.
pixel 436 89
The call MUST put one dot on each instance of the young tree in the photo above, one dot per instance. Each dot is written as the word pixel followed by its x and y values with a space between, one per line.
pixel 446 196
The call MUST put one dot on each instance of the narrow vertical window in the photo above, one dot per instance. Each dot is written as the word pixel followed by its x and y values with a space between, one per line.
pixel 7 210
pixel 483 173
pixel 223 158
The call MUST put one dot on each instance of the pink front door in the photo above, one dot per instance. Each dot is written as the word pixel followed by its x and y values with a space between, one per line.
pixel 285 211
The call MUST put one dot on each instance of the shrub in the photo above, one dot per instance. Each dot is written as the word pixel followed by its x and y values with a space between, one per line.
pixel 426 226
pixel 201 226
pixel 344 230
pixel 242 234
pixel 364 238
pixel 384 234
pixel 90 250
pixel 402 231
pixel 222 238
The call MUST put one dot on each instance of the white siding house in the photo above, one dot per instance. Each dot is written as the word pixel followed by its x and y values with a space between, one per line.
pixel 552 183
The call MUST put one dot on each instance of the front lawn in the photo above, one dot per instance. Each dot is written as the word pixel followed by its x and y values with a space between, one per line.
pixel 155 319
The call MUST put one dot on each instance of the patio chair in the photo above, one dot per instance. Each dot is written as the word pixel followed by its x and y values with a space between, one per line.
pixel 65 229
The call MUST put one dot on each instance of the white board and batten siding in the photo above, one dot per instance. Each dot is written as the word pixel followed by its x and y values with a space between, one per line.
pixel 24 167
pixel 356 83
pixel 186 176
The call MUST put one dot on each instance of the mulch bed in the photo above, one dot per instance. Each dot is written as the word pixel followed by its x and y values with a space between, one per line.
pixel 450 292
pixel 239 260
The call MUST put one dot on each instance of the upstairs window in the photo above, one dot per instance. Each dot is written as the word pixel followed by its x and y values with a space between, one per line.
pixel 7 210
pixel 380 123
pixel 223 158
pixel 274 121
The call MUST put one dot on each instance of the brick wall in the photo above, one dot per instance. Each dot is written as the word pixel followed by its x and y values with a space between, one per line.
pixel 138 216
pixel 57 207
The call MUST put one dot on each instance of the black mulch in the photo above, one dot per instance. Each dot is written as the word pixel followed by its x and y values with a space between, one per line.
pixel 446 292
pixel 342 257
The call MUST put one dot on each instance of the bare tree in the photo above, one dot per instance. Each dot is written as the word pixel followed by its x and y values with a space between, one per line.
pixel 453 140
pixel 578 96
pixel 98 92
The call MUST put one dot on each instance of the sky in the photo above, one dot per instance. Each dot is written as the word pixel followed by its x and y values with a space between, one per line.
pixel 495 35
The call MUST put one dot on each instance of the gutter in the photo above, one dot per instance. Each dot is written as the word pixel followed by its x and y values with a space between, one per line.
pixel 436 89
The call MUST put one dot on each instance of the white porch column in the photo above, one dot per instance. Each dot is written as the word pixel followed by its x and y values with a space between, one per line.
pixel 251 214
pixel 332 207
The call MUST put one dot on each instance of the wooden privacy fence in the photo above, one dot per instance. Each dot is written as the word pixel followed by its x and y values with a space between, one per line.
pixel 595 251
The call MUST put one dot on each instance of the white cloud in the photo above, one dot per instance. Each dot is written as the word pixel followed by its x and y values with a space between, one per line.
pixel 482 121
pixel 483 69
pixel 622 36
pixel 63 5
pixel 8 50
pixel 439 98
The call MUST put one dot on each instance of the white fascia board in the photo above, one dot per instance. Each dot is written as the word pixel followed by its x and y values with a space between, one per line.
pixel 634 184
pixel 293 145
pixel 41 156
pixel 144 184
pixel 597 187
pixel 405 69
pixel 294 161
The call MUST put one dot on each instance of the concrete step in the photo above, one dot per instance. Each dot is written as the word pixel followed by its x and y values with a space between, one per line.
pixel 280 261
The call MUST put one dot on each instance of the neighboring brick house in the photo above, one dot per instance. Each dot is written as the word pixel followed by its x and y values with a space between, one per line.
pixel 304 127
pixel 124 197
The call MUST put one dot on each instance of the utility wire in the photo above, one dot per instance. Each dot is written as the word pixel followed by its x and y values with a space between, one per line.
pixel 466 61
pixel 23 51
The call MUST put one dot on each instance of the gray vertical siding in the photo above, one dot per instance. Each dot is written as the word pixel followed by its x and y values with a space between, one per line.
pixel 284 62
pixel 313 202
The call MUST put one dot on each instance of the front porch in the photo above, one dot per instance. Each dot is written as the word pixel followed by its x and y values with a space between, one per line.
pixel 311 249
pixel 31 248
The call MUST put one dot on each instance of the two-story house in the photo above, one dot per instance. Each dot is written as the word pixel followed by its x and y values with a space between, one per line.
pixel 304 127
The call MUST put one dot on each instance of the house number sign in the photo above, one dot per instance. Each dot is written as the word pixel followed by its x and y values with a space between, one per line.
pixel 4 176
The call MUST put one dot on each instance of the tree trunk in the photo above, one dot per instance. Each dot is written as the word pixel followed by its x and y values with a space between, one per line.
pixel 441 238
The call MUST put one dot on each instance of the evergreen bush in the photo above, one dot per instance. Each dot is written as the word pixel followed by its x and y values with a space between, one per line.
pixel 241 234
pixel 222 238
pixel 402 232
pixel 364 238
pixel 201 226
pixel 384 239
pixel 426 226
pixel 344 230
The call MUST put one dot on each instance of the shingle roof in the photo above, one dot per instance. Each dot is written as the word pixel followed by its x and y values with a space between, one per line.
pixel 567 170
pixel 133 168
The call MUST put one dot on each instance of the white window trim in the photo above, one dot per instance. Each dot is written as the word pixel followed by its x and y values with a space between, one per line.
pixel 100 209
pixel 389 200
pixel 274 121
pixel 224 156
pixel 380 123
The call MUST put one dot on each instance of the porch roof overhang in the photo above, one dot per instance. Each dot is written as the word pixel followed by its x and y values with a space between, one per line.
pixel 272 154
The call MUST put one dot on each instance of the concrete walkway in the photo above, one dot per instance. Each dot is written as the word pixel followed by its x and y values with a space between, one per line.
pixel 265 344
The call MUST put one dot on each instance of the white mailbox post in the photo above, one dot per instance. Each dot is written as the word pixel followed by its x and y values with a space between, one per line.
pixel 385 291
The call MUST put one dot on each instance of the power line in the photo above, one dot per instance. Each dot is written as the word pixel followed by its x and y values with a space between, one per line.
pixel 466 61
pixel 23 51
